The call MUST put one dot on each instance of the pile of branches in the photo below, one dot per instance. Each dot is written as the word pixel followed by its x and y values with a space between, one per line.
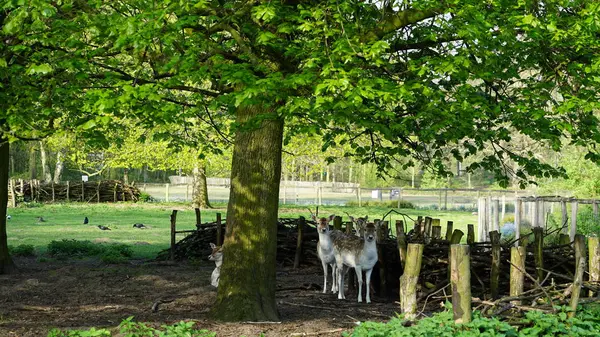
pixel 196 245
pixel 91 191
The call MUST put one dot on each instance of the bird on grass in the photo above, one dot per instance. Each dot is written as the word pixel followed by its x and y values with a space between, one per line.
pixel 86 221
pixel 41 219
pixel 139 225
pixel 104 228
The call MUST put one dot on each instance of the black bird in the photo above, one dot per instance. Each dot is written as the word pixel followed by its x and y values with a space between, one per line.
pixel 139 225
pixel 86 221
pixel 41 219
pixel 104 228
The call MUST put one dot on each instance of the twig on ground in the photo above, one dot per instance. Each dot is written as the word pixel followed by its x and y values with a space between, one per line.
pixel 316 333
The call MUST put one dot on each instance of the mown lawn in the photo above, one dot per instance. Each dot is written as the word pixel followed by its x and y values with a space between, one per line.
pixel 65 221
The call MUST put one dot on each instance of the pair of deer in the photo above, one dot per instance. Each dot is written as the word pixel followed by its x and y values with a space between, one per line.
pixel 343 251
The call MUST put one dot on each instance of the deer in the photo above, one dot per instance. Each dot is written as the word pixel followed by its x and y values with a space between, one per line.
pixel 358 223
pixel 359 253
pixel 325 250
pixel 217 256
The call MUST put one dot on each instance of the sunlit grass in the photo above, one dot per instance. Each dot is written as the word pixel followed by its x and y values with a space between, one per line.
pixel 65 221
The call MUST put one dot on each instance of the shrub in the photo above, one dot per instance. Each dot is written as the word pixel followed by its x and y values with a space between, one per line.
pixel 145 197
pixel 22 250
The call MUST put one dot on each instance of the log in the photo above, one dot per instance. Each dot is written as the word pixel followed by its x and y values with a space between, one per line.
pixel 470 234
pixel 409 280
pixel 173 232
pixel 401 241
pixel 337 223
pixel 538 254
pixel 381 260
pixel 460 264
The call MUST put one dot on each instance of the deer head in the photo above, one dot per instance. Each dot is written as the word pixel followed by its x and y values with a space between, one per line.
pixel 323 223
pixel 370 228
pixel 216 254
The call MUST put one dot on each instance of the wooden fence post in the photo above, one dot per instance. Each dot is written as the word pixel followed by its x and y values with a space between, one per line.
pixel 449 228
pixel 496 215
pixel 97 191
pixel 518 212
pixel 579 246
pixel 594 264
pixel 538 252
pixel 173 232
pixel 409 280
pixel 517 278
pixel 13 192
pixel 573 230
pixel 83 191
pixel 300 223
pixel 427 228
pixel 167 192
pixel 358 195
pixel 495 273
pixel 401 240
pixel 381 258
pixel 470 234
pixel 564 219
pixel 460 265
pixel 198 217
pixel 436 227
pixel 337 222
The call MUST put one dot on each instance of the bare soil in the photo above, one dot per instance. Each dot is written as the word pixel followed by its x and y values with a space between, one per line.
pixel 84 294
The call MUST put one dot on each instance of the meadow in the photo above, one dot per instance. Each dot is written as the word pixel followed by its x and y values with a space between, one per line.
pixel 65 221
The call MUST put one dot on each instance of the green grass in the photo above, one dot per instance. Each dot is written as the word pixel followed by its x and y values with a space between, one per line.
pixel 65 221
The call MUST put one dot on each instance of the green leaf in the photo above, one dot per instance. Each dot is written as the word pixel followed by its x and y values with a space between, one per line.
pixel 43 69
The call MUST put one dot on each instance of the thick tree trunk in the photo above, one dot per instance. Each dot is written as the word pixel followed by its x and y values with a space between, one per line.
pixel 58 169
pixel 201 188
pixel 6 263
pixel 47 176
pixel 247 284
pixel 126 176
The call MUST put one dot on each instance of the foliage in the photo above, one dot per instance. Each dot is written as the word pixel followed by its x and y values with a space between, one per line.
pixel 587 223
pixel 22 250
pixel 535 323
pixel 129 328
pixel 111 253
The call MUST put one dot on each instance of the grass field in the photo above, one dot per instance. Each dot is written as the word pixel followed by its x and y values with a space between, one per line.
pixel 65 221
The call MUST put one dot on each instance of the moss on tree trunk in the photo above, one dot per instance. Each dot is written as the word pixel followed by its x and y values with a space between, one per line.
pixel 201 188
pixel 247 284
pixel 6 263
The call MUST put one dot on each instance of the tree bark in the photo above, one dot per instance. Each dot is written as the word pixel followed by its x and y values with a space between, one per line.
pixel 6 263
pixel 247 285
pixel 59 167
pixel 46 175
pixel 32 162
pixel 201 187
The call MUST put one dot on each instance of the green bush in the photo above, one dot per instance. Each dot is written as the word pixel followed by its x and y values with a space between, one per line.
pixel 112 253
pixel 129 328
pixel 535 323
pixel 145 197
pixel 382 204
pixel 22 250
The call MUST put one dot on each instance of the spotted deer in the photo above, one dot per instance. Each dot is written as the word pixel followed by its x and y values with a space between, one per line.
pixel 325 250
pixel 359 253
pixel 358 223
pixel 217 256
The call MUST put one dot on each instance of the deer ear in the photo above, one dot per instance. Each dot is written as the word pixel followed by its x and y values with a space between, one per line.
pixel 312 216
pixel 212 245
pixel 331 217
pixel 352 218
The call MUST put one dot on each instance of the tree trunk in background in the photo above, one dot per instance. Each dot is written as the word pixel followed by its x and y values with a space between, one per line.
pixel 126 176
pixel 47 176
pixel 6 263
pixel 201 187
pixel 247 285
pixel 145 173
pixel 58 169
pixel 32 162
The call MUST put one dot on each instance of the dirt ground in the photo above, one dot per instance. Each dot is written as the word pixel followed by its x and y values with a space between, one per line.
pixel 84 294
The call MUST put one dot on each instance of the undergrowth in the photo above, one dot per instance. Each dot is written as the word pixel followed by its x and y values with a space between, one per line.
pixel 534 323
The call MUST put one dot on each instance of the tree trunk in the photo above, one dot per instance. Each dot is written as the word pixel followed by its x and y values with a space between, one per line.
pixel 247 285
pixel 6 263
pixel 126 176
pixel 60 165
pixel 201 187
pixel 47 176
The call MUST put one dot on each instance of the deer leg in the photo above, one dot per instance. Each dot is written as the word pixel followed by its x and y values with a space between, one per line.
pixel 368 278
pixel 358 270
pixel 340 279
pixel 334 278
pixel 325 271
